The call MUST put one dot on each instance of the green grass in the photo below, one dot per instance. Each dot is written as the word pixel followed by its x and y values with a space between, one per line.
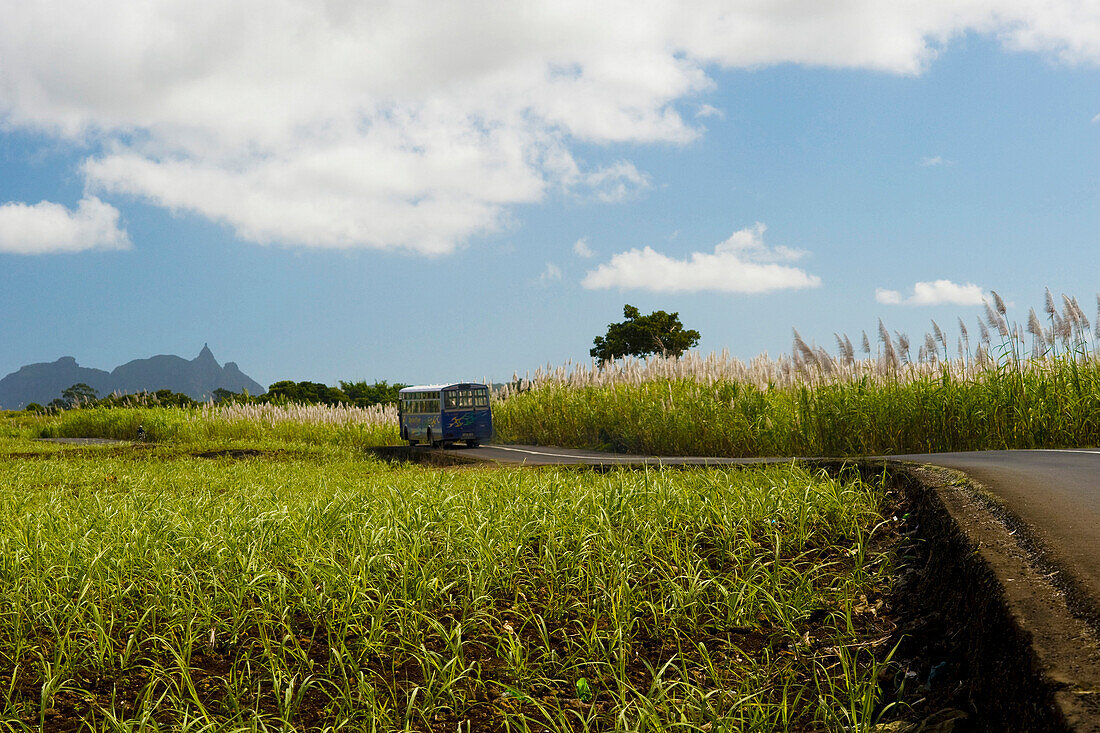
pixel 204 425
pixel 150 589
pixel 1045 403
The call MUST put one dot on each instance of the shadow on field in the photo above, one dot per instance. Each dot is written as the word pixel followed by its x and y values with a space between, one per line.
pixel 981 631
pixel 232 453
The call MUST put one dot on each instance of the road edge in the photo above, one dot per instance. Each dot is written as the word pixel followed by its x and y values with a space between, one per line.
pixel 1032 662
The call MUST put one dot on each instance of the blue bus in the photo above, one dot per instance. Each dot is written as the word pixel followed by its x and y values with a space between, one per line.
pixel 441 414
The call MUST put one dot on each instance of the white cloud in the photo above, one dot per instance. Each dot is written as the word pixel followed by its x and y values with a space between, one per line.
pixel 47 227
pixel 935 161
pixel 307 200
pixel 937 292
pixel 741 264
pixel 889 297
pixel 617 182
pixel 706 110
pixel 419 124
pixel 581 248
pixel 551 273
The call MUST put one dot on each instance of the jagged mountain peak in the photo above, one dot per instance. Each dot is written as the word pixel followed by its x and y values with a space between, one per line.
pixel 197 378
pixel 206 355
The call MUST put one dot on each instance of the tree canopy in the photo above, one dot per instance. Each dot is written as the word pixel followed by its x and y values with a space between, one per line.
pixel 362 394
pixel 78 394
pixel 359 394
pixel 638 335
pixel 224 395
pixel 308 392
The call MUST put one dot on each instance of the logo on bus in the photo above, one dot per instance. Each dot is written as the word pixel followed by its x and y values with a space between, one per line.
pixel 462 421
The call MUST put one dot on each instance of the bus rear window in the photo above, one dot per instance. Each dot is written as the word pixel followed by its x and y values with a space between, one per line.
pixel 466 399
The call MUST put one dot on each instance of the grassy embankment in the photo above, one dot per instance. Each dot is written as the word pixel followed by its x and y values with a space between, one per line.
pixel 213 425
pixel 150 589
pixel 816 405
pixel 1042 405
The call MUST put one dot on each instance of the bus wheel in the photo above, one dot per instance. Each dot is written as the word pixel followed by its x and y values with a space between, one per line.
pixel 473 443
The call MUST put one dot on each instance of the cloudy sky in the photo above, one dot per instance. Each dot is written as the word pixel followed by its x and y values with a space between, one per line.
pixel 421 191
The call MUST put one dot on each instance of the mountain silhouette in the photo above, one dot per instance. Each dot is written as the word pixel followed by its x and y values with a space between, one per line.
pixel 197 378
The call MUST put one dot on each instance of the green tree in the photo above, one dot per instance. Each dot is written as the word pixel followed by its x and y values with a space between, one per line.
pixel 224 395
pixel 638 335
pixel 78 394
pixel 168 398
pixel 307 392
pixel 160 398
pixel 362 394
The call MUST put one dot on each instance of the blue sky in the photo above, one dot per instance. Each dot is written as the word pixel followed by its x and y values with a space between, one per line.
pixel 395 195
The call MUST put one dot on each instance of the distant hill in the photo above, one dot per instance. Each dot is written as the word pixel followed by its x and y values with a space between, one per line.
pixel 197 379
